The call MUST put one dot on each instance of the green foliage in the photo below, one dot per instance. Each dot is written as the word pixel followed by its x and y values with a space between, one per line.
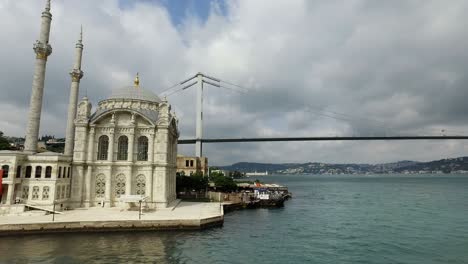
pixel 235 174
pixel 4 144
pixel 195 182
pixel 222 182
pixel 213 168
pixel 58 148
pixel 216 174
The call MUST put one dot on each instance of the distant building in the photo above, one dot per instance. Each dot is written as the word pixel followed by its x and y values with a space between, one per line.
pixel 190 165
pixel 256 173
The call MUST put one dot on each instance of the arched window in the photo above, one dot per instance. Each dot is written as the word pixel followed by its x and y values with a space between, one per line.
pixel 141 185
pixel 119 185
pixel 69 169
pixel 64 172
pixel 142 148
pixel 28 171
pixel 38 172
pixel 48 172
pixel 100 186
pixel 60 172
pixel 103 147
pixel 5 169
pixel 122 153
pixel 18 172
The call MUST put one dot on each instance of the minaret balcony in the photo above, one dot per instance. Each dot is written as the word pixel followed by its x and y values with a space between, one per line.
pixel 42 50
pixel 76 75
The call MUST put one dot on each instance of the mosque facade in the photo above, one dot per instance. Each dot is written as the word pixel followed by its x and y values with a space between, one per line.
pixel 126 147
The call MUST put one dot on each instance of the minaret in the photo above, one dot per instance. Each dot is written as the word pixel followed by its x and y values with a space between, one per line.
pixel 76 75
pixel 42 50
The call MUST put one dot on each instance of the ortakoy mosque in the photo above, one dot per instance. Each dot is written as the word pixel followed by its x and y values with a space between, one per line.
pixel 126 146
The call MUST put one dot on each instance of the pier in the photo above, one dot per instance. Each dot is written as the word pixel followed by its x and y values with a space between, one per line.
pixel 183 216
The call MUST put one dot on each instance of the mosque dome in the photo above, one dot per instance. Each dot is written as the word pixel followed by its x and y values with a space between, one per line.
pixel 136 93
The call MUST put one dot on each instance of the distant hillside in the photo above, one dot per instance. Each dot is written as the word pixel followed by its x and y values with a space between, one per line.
pixel 455 165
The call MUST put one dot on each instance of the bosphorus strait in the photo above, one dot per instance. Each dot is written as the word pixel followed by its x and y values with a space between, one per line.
pixel 331 219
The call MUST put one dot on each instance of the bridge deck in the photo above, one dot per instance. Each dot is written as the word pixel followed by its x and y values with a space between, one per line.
pixel 279 139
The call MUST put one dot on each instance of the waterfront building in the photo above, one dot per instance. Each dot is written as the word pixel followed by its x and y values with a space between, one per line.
pixel 248 174
pixel 190 165
pixel 126 146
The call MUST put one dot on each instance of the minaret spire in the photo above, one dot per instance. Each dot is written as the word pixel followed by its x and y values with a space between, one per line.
pixel 42 49
pixel 81 35
pixel 76 75
pixel 47 6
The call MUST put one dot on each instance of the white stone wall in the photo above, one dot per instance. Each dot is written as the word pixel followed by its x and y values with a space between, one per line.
pixel 41 190
pixel 98 181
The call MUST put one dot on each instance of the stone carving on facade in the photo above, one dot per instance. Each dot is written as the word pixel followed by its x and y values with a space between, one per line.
pixel 140 185
pixel 84 110
pixel 100 189
pixel 119 187
pixel 126 104
pixel 112 121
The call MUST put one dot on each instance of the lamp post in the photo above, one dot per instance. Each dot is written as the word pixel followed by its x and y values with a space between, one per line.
pixel 54 201
pixel 53 212
pixel 139 211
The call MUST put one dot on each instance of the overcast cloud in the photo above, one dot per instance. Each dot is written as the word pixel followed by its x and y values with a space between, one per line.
pixel 378 67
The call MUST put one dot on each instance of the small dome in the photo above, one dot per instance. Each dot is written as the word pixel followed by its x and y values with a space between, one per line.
pixel 134 92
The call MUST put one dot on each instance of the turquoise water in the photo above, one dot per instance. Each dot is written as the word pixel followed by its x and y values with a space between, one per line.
pixel 331 219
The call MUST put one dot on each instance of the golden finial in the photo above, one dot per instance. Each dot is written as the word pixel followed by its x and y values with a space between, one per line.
pixel 137 80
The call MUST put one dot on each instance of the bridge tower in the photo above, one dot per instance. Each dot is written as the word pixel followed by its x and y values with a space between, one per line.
pixel 199 120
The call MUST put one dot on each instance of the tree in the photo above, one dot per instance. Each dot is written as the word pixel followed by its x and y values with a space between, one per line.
pixel 195 182
pixel 235 174
pixel 222 182
pixel 4 144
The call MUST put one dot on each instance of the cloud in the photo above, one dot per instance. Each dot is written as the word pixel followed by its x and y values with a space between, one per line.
pixel 312 68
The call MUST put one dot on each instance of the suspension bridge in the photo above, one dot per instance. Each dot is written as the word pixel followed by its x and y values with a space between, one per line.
pixel 201 80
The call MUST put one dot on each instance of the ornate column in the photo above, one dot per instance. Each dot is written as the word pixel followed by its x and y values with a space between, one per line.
pixel 149 184
pixel 131 143
pixel 76 75
pixel 91 143
pixel 42 49
pixel 151 147
pixel 10 191
pixel 110 154
pixel 89 169
pixel 131 140
pixel 88 176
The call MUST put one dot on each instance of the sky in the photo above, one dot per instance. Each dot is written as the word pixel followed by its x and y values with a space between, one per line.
pixel 310 68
